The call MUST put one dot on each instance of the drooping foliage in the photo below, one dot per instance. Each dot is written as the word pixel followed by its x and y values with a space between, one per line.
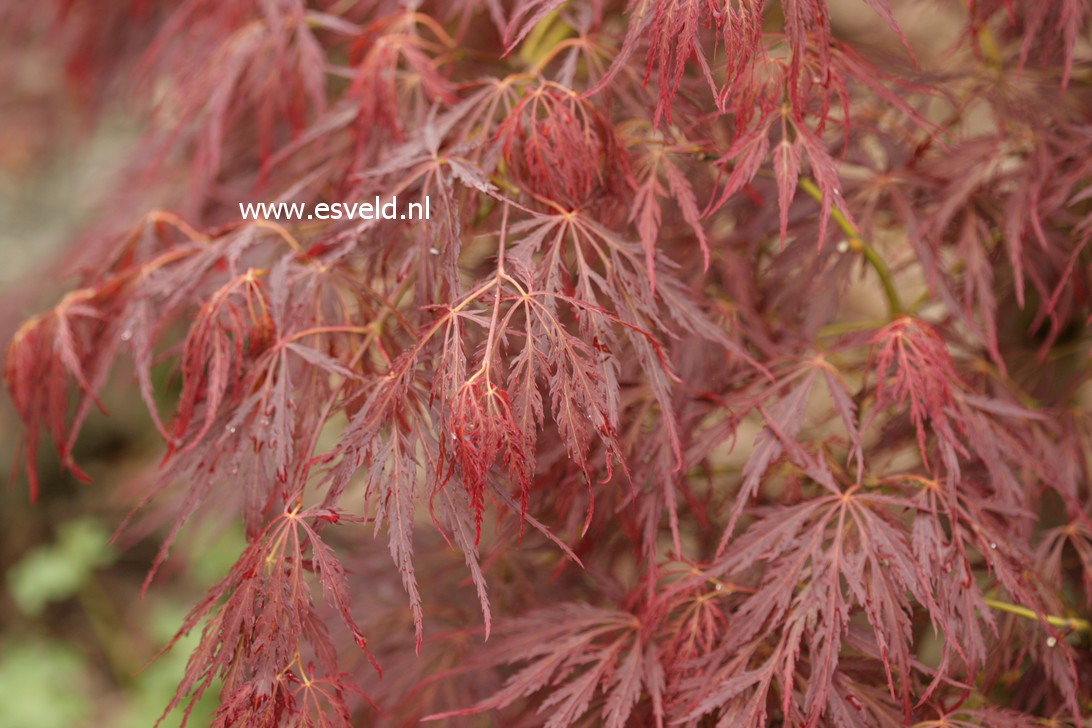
pixel 740 375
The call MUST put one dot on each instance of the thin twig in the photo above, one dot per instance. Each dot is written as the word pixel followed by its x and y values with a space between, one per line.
pixel 857 243
pixel 1074 623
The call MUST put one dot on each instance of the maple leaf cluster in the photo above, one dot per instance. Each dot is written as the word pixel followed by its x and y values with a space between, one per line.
pixel 740 376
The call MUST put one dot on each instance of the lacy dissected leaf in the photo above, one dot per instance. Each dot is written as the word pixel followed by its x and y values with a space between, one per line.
pixel 646 211
pixel 581 655
pixel 672 29
pixel 77 340
pixel 559 147
pixel 827 557
pixel 924 377
pixel 234 322
pixel 239 44
pixel 783 421
pixel 254 638
pixel 393 56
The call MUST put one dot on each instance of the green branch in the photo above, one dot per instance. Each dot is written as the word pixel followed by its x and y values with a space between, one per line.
pixel 874 259
pixel 1074 623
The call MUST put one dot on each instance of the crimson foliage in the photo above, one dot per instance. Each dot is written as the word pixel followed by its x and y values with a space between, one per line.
pixel 743 360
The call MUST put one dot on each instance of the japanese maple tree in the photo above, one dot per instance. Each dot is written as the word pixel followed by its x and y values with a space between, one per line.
pixel 740 375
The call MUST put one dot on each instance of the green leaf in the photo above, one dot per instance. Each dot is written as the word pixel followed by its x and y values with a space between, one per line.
pixel 55 572
pixel 40 686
